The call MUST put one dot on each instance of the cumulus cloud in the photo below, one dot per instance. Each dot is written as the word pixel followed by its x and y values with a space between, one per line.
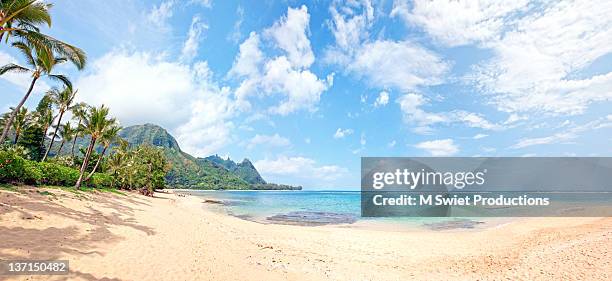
pixel 445 147
pixel 341 133
pixel 268 140
pixel 480 136
pixel 141 87
pixel 290 35
pixel 285 75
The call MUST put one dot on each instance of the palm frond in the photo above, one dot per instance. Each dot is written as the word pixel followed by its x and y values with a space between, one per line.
pixel 64 79
pixel 72 53
pixel 11 67
pixel 26 51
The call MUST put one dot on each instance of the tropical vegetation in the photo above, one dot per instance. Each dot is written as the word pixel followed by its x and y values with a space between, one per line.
pixel 41 147
pixel 28 157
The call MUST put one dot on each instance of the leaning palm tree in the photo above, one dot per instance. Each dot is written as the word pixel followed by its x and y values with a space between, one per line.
pixel 110 136
pixel 79 111
pixel 62 99
pixel 67 133
pixel 41 61
pixel 95 124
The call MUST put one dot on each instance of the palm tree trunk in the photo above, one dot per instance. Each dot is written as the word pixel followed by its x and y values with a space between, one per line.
pixel 76 135
pixel 9 122
pixel 97 164
pixel 60 148
pixel 16 137
pixel 53 137
pixel 85 162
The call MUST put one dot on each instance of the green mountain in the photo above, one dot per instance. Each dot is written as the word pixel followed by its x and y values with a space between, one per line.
pixel 245 169
pixel 198 173
pixel 186 171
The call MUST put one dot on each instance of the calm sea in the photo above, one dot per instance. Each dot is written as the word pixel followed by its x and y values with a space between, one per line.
pixel 308 208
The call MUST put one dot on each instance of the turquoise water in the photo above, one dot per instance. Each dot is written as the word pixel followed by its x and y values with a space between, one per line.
pixel 301 207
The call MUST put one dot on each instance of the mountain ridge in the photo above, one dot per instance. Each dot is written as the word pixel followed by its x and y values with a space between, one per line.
pixel 187 171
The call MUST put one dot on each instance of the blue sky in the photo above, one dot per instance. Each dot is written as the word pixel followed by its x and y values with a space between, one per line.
pixel 304 89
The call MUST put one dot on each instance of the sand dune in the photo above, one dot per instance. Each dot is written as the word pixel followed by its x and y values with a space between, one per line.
pixel 113 237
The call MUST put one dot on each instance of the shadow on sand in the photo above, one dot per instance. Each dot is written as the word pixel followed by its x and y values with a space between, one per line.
pixel 56 242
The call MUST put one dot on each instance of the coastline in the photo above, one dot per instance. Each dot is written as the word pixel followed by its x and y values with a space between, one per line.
pixel 108 236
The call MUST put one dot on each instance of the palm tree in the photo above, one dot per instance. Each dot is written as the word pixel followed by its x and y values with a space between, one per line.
pixel 20 123
pixel 22 15
pixel 95 124
pixel 44 113
pixel 67 133
pixel 110 136
pixel 62 99
pixel 78 111
pixel 22 19
pixel 41 61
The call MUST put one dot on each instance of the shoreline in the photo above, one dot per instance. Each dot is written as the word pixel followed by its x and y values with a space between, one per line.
pixel 170 237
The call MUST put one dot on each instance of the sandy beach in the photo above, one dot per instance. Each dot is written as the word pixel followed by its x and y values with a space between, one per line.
pixel 108 236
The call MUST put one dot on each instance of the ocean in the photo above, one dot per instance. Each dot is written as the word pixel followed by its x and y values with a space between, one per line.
pixel 313 208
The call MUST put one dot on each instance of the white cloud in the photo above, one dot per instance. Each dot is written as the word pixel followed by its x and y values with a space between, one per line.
pixel 160 14
pixel 532 67
pixel 204 3
pixel 384 63
pixel 249 57
pixel 285 76
pixel 236 34
pixel 341 133
pixel 411 104
pixel 268 140
pixel 566 134
pixel 290 35
pixel 480 136
pixel 459 22
pixel 445 147
pixel 302 89
pixel 400 64
pixel 300 170
pixel 391 144
pixel 350 23
pixel 382 99
pixel 538 48
pixel 190 47
pixel 141 87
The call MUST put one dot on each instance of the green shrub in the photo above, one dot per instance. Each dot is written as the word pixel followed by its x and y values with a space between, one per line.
pixel 55 174
pixel 32 174
pixel 11 166
pixel 101 180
